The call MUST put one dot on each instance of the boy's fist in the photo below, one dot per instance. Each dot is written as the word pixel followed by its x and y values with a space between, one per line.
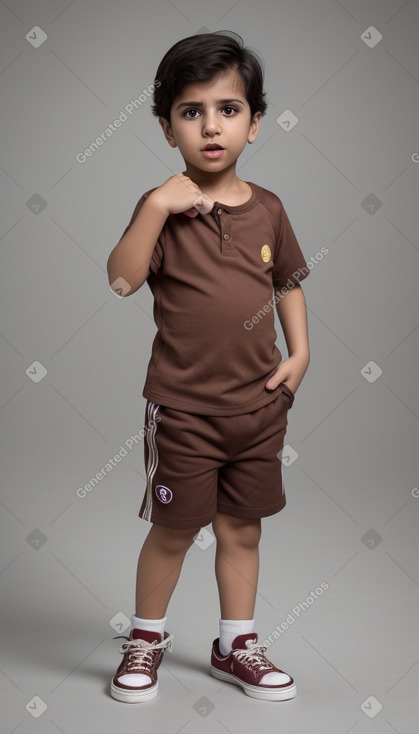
pixel 202 204
pixel 180 194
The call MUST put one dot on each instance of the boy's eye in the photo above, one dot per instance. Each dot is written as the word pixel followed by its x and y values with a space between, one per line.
pixel 191 114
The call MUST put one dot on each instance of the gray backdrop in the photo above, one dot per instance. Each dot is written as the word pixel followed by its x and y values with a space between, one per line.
pixel 338 594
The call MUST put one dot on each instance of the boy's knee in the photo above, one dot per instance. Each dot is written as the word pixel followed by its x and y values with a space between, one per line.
pixel 248 534
pixel 174 540
pixel 238 531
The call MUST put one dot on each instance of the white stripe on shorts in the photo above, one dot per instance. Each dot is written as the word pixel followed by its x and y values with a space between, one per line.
pixel 153 457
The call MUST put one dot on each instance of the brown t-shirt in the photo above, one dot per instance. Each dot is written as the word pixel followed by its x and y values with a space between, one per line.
pixel 212 279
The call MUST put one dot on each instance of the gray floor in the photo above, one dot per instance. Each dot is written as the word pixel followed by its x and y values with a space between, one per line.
pixel 74 359
pixel 355 641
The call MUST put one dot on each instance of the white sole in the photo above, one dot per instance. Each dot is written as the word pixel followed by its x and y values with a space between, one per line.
pixel 134 696
pixel 263 694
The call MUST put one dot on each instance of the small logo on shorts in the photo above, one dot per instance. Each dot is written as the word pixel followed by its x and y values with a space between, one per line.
pixel 164 494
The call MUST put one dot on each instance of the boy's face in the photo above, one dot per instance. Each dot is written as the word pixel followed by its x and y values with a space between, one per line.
pixel 208 114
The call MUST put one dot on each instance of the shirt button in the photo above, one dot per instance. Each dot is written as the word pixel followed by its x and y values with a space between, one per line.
pixel 226 236
pixel 219 211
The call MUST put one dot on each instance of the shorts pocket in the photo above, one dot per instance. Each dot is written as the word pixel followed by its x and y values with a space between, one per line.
pixel 286 390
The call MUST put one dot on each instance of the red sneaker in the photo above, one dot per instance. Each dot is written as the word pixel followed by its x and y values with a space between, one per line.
pixel 136 678
pixel 247 666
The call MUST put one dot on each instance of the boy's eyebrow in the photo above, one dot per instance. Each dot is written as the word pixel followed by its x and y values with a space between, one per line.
pixel 200 104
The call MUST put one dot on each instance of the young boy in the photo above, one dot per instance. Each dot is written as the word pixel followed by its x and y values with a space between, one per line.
pixel 217 401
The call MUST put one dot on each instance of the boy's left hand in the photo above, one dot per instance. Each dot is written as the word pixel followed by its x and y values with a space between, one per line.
pixel 291 371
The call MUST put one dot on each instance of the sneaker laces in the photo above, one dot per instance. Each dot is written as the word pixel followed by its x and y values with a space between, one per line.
pixel 253 656
pixel 141 653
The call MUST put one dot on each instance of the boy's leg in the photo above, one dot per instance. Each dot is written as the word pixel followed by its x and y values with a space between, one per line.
pixel 159 566
pixel 236 655
pixel 237 564
pixel 251 483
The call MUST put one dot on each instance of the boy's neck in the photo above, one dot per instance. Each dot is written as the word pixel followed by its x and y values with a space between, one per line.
pixel 222 186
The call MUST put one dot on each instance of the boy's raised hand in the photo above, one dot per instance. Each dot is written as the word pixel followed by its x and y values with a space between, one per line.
pixel 202 205
pixel 180 194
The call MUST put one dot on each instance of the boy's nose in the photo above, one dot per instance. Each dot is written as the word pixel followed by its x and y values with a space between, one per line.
pixel 211 125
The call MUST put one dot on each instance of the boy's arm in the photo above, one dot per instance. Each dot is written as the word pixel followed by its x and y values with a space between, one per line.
pixel 131 257
pixel 292 313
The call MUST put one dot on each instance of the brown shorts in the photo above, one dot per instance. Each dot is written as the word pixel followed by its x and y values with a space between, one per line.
pixel 197 465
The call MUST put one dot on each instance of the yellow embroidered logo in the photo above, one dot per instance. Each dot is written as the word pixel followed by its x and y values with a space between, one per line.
pixel 265 253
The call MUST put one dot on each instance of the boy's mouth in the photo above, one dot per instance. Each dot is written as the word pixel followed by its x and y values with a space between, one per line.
pixel 212 150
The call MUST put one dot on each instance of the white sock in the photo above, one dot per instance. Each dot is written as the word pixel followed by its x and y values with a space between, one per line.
pixel 152 625
pixel 230 628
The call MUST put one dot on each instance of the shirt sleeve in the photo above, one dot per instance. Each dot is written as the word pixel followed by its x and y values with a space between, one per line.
pixel 157 255
pixel 290 266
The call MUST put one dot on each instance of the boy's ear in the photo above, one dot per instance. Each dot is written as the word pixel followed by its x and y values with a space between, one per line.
pixel 254 127
pixel 168 132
